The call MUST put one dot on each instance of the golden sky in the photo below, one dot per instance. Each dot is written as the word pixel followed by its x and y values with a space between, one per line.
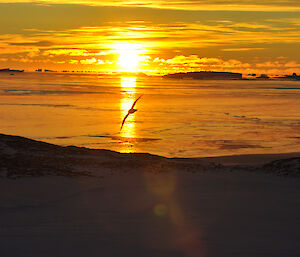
pixel 155 36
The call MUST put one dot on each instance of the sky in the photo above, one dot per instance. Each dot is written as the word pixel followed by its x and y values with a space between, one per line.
pixel 154 37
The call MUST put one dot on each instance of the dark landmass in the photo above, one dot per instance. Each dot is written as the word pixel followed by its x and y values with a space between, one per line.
pixel 293 77
pixel 206 75
pixel 9 70
pixel 263 77
pixel 21 157
pixel 211 75
pixel 50 70
pixel 290 77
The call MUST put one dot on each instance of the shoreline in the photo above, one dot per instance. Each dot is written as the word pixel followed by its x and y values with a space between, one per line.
pixel 172 76
pixel 26 157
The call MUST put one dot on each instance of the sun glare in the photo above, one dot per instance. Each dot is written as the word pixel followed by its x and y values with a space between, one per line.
pixel 128 57
pixel 129 60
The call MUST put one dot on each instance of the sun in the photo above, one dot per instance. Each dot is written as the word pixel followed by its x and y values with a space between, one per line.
pixel 128 57
pixel 129 60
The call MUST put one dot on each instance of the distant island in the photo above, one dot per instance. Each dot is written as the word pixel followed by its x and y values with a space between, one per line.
pixel 9 70
pixel 204 75
pixel 290 77
pixel 213 75
pixel 195 75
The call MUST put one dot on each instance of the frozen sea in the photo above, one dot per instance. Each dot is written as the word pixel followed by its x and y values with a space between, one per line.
pixel 175 118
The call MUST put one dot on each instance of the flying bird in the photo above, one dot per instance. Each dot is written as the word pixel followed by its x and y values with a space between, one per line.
pixel 130 111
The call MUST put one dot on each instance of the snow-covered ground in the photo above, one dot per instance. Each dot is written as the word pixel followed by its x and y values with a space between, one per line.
pixel 107 204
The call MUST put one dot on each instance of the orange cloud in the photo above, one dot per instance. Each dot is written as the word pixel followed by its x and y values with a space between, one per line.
pixel 242 5
pixel 183 63
pixel 277 64
pixel 167 41
pixel 92 61
pixel 70 52
pixel 242 49
pixel 73 61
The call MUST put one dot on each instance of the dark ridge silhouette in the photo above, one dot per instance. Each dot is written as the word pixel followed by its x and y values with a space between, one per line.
pixel 23 157
pixel 206 75
pixel 290 77
pixel 9 70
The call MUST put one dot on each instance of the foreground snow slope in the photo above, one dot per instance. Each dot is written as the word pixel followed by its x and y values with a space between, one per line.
pixel 107 204
pixel 22 157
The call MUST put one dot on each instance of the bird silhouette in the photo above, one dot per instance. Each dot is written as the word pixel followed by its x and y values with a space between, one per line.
pixel 130 111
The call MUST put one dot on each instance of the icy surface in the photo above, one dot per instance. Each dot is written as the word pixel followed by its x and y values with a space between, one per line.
pixel 107 204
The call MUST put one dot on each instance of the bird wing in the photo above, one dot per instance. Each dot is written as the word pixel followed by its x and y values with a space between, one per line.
pixel 124 120
pixel 135 102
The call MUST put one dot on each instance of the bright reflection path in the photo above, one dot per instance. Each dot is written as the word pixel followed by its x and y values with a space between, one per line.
pixel 128 96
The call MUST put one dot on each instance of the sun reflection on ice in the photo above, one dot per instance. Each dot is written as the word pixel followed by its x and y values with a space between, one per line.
pixel 128 132
pixel 128 84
